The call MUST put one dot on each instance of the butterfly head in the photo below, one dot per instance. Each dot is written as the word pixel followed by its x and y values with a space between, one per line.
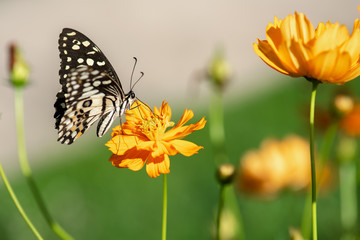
pixel 129 99
pixel 131 95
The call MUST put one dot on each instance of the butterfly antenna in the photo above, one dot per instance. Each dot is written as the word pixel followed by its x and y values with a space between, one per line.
pixel 132 72
pixel 142 74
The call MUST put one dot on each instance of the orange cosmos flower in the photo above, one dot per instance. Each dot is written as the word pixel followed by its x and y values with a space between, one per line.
pixel 328 53
pixel 275 166
pixel 143 138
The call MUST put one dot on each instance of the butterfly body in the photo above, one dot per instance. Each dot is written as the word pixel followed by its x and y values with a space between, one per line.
pixel 91 89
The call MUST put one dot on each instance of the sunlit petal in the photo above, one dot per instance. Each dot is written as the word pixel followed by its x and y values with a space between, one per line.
pixel 268 55
pixel 155 166
pixel 186 148
pixel 328 53
pixel 183 131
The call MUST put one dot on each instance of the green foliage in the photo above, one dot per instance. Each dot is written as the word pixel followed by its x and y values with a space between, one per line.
pixel 93 200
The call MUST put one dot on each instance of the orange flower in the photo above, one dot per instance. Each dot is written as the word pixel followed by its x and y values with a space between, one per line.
pixel 350 123
pixel 276 165
pixel 328 53
pixel 144 138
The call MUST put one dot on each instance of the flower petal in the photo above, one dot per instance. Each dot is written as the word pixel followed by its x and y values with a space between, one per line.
pixel 268 55
pixel 333 35
pixel 121 143
pixel 155 166
pixel 330 66
pixel 187 115
pixel 159 148
pixel 286 45
pixel 297 27
pixel 273 34
pixel 129 161
pixel 186 148
pixel 165 112
pixel 183 131
pixel 301 55
pixel 352 45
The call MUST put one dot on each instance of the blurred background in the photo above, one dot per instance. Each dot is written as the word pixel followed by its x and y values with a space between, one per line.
pixel 174 43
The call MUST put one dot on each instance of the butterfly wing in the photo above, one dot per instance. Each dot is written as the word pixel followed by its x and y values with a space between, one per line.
pixel 78 50
pixel 90 90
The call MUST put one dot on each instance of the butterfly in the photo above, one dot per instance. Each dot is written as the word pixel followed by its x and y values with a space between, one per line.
pixel 91 89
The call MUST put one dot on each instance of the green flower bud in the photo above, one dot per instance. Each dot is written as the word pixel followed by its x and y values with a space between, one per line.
pixel 219 70
pixel 225 173
pixel 19 70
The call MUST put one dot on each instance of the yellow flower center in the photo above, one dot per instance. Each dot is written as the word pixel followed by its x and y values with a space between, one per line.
pixel 150 125
pixel 153 127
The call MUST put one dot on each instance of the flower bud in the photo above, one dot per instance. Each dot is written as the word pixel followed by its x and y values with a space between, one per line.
pixel 219 70
pixel 19 70
pixel 295 234
pixel 225 173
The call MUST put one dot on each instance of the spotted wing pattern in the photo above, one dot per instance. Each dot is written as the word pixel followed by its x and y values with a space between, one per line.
pixel 90 89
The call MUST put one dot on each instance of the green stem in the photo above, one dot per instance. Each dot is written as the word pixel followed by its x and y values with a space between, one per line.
pixel 216 127
pixel 346 151
pixel 305 224
pixel 348 198
pixel 220 209
pixel 25 167
pixel 235 208
pixel 312 157
pixel 326 147
pixel 164 219
pixel 17 203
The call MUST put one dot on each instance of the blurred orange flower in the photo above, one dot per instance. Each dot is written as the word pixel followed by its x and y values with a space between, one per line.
pixel 350 123
pixel 328 53
pixel 143 138
pixel 278 165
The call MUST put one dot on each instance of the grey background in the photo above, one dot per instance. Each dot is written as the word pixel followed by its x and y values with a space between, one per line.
pixel 173 40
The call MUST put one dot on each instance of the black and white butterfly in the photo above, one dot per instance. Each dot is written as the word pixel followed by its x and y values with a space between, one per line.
pixel 91 90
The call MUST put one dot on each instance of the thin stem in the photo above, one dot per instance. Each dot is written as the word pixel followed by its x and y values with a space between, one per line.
pixel 235 208
pixel 17 204
pixel 220 209
pixel 305 224
pixel 164 219
pixel 326 147
pixel 217 138
pixel 216 127
pixel 346 151
pixel 348 198
pixel 312 157
pixel 25 167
